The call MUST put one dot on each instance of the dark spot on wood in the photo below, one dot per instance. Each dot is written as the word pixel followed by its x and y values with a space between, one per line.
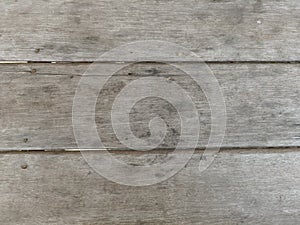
pixel 37 50
pixel 24 166
pixel 50 89
pixel 33 71
pixel 92 38
pixel 174 131
pixel 71 77
pixel 152 71
pixel 134 164
pixel 25 140
pixel 170 79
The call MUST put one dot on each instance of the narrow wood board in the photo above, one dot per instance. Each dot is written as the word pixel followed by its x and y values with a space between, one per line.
pixel 262 102
pixel 231 30
pixel 240 187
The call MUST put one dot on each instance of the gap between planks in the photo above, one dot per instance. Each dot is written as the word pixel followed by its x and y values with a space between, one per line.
pixel 208 62
pixel 237 150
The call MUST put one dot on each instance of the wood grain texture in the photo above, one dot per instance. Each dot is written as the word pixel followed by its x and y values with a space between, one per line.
pixel 262 103
pixel 231 30
pixel 240 187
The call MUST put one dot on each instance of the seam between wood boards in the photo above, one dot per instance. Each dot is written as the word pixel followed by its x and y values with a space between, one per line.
pixel 90 62
pixel 157 151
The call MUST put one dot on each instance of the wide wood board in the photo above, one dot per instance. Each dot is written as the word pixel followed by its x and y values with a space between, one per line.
pixel 231 30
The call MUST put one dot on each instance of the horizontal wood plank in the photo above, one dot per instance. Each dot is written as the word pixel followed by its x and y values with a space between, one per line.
pixel 262 102
pixel 240 187
pixel 231 30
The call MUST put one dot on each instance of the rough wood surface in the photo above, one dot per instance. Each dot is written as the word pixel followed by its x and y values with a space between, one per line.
pixel 231 30
pixel 262 103
pixel 240 187
pixel 262 95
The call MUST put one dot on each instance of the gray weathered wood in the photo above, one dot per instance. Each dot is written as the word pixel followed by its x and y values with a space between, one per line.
pixel 233 30
pixel 246 186
pixel 240 187
pixel 262 103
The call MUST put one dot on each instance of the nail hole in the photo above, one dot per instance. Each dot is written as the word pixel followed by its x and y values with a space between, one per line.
pixel 25 140
pixel 72 77
pixel 37 50
pixel 24 166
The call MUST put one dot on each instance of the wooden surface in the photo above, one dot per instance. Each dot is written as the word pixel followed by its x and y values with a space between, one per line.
pixel 262 102
pixel 252 47
pixel 240 187
pixel 232 30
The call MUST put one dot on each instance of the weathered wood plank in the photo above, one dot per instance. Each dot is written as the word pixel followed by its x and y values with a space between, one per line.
pixel 240 187
pixel 233 30
pixel 262 103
